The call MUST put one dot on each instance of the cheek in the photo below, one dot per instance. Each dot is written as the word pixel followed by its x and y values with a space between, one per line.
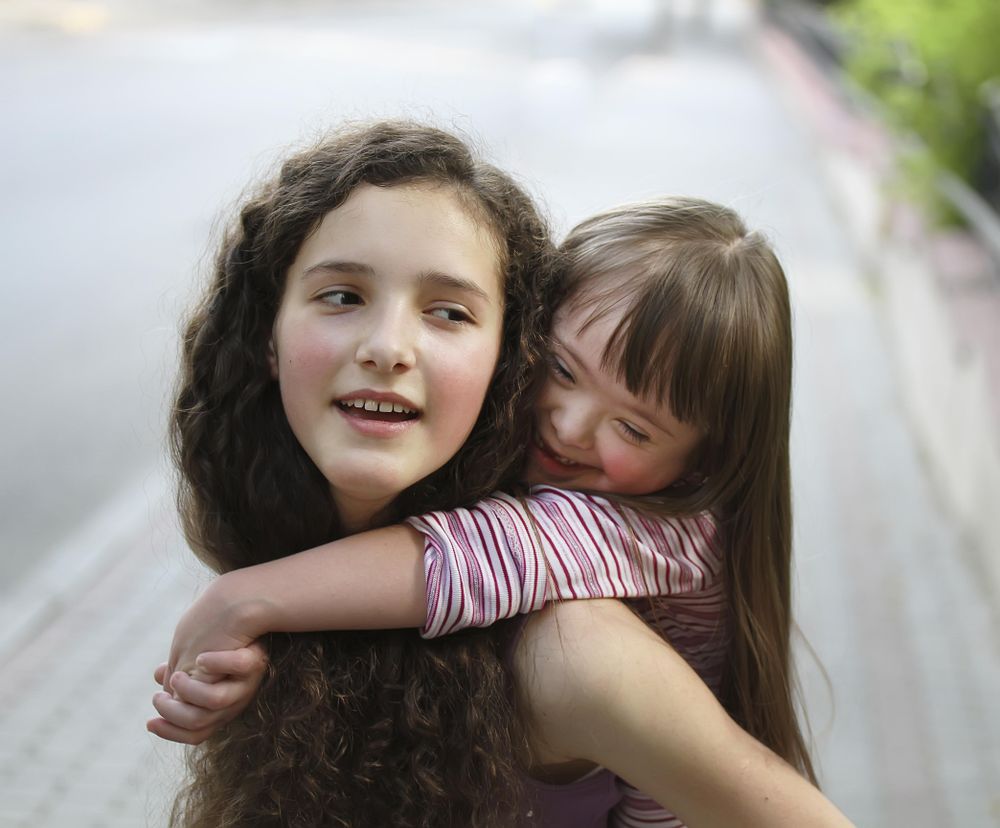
pixel 549 399
pixel 547 393
pixel 461 381
pixel 625 469
pixel 304 351
pixel 304 366
pixel 304 354
pixel 634 472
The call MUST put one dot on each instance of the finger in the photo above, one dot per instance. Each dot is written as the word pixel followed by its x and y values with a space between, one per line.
pixel 186 716
pixel 211 696
pixel 160 673
pixel 247 661
pixel 172 733
pixel 168 671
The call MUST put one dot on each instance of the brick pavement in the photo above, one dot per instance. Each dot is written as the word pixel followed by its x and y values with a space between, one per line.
pixel 74 698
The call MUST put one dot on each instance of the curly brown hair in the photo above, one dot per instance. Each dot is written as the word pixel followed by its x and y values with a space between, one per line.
pixel 350 729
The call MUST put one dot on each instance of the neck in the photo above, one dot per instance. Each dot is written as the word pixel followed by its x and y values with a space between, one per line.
pixel 359 514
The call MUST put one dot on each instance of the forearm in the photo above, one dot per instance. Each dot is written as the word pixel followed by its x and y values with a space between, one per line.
pixel 373 580
pixel 726 778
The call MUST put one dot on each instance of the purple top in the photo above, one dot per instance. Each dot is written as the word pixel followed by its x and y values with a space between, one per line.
pixel 585 803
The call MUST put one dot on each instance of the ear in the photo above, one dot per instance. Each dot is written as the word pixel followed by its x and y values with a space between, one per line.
pixel 272 358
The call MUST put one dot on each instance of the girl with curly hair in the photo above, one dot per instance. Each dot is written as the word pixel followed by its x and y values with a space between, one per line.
pixel 308 410
pixel 602 361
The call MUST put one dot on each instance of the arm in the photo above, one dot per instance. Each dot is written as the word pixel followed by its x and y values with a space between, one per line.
pixel 465 567
pixel 367 581
pixel 505 556
pixel 653 722
pixel 373 580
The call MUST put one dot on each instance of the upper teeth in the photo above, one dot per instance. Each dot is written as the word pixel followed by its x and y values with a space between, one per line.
pixel 382 406
pixel 564 460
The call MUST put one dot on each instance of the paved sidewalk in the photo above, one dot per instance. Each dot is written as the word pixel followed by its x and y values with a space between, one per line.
pixel 74 698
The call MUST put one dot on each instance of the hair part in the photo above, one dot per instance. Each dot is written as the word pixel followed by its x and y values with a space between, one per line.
pixel 706 329
pixel 350 729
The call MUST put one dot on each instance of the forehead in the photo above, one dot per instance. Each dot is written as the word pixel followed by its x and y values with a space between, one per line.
pixel 587 324
pixel 422 226
pixel 586 329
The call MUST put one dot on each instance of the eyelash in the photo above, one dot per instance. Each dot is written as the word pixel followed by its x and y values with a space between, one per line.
pixel 463 316
pixel 437 313
pixel 326 296
pixel 559 369
pixel 632 434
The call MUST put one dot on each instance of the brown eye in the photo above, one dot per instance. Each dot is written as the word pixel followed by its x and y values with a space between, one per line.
pixel 340 298
pixel 451 314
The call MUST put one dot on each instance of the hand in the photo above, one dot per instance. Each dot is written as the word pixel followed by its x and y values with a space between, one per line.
pixel 227 682
pixel 218 620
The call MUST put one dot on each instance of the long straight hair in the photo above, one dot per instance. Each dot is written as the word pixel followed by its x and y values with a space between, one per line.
pixel 706 328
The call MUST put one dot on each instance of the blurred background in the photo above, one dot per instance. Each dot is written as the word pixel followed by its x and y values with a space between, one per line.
pixel 862 136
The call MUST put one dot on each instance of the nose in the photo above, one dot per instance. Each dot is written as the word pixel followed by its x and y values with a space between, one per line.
pixel 573 423
pixel 387 343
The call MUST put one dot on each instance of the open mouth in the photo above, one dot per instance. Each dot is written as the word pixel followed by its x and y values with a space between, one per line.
pixel 548 452
pixel 377 410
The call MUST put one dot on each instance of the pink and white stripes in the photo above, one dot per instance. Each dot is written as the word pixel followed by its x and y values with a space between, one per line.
pixel 505 556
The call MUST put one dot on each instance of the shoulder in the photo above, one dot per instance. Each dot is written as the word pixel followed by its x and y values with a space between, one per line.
pixel 574 663
pixel 581 638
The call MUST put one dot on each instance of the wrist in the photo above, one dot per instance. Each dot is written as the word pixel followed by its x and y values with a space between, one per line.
pixel 244 609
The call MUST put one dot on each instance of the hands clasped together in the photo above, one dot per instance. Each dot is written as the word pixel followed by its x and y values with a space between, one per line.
pixel 212 675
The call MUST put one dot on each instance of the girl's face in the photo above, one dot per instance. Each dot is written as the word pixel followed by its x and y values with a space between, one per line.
pixel 386 341
pixel 591 432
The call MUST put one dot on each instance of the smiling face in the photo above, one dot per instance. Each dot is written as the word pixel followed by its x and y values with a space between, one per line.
pixel 591 432
pixel 386 341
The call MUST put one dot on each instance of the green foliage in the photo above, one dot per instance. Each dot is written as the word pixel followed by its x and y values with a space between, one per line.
pixel 926 60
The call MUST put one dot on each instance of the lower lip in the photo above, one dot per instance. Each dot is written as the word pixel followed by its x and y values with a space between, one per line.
pixel 375 428
pixel 551 466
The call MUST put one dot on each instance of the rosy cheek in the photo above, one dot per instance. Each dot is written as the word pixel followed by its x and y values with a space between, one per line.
pixel 468 386
pixel 624 470
pixel 306 355
pixel 461 381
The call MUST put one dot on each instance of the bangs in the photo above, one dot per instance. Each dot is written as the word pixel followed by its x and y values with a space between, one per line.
pixel 674 343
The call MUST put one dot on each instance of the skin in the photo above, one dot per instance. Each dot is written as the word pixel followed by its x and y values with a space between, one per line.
pixel 416 322
pixel 592 433
pixel 596 662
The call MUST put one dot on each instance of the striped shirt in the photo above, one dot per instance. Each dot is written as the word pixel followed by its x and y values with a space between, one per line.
pixel 505 556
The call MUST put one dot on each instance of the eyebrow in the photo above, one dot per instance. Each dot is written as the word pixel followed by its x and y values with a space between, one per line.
pixel 436 277
pixel 338 266
pixel 428 277
pixel 632 409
